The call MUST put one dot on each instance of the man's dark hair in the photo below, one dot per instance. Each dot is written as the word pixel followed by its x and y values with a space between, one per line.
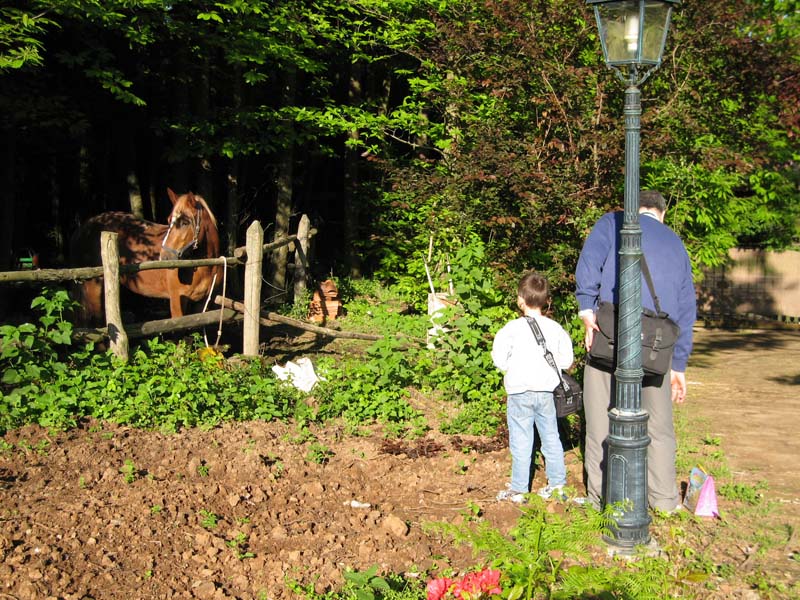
pixel 534 290
pixel 652 199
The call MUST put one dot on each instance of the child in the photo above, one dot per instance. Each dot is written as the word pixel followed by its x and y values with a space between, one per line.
pixel 529 382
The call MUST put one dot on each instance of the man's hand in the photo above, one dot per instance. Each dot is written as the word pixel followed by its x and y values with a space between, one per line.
pixel 677 382
pixel 590 323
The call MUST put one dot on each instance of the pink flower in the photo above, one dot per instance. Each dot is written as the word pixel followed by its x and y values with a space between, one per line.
pixel 490 582
pixel 437 588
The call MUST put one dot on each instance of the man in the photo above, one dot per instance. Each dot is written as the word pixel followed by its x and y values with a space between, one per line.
pixel 596 278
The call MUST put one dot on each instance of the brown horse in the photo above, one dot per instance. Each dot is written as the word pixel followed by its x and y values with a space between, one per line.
pixel 191 233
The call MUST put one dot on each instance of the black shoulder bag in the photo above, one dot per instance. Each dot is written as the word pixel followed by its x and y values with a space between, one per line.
pixel 659 334
pixel 568 394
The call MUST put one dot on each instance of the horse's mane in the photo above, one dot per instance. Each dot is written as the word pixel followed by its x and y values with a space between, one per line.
pixel 202 201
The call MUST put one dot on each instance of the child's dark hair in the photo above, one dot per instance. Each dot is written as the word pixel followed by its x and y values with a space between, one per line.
pixel 534 290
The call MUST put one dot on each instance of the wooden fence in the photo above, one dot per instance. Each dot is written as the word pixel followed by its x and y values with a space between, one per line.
pixel 756 285
pixel 249 311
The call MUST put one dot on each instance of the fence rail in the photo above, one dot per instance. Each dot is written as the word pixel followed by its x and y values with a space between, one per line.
pixel 239 258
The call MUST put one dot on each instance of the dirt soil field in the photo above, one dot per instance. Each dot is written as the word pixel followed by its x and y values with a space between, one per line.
pixel 109 512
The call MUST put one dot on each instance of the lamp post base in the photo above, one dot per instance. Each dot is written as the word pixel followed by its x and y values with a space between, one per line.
pixel 626 466
pixel 651 549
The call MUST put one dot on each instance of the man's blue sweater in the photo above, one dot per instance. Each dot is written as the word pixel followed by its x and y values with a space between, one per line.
pixel 598 269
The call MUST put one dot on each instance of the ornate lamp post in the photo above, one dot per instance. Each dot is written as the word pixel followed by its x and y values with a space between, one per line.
pixel 632 33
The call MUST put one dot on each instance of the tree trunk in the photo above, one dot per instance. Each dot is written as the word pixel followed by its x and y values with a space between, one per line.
pixel 234 181
pixel 233 204
pixel 153 204
pixel 178 171
pixel 135 195
pixel 283 202
pixel 451 124
pixel 66 219
pixel 56 207
pixel 8 201
pixel 350 208
pixel 202 97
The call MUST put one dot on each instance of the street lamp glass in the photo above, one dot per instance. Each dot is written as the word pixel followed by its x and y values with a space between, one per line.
pixel 632 32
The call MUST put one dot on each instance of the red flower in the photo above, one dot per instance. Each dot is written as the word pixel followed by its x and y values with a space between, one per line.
pixel 473 586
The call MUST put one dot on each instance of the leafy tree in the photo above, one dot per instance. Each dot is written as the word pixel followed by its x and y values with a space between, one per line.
pixel 724 148
pixel 528 143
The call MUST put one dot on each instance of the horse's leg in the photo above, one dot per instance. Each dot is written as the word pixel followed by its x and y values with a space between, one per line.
pixel 91 299
pixel 177 304
pixel 177 301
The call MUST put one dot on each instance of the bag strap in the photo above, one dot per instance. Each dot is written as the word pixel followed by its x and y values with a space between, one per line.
pixel 537 333
pixel 651 287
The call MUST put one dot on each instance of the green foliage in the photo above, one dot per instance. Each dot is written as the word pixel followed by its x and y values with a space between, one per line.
pixel 319 453
pixel 129 471
pixel 29 351
pixel 723 148
pixel 239 544
pixel 457 363
pixel 527 160
pixel 362 390
pixel 511 156
pixel 482 416
pixel 168 385
pixel 366 585
pixel 36 366
pixel 164 385
pixel 208 519
pixel 547 555
pixel 379 308
pixel 719 209
pixel 21 41
pixel 750 494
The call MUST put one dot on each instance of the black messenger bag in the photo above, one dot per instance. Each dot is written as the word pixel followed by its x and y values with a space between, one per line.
pixel 568 395
pixel 659 334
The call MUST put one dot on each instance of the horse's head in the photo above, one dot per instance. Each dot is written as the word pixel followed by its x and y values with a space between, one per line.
pixel 186 222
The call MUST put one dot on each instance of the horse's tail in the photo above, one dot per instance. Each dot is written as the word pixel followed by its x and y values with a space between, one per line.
pixel 84 251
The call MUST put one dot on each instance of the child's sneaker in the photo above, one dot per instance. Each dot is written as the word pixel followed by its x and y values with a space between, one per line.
pixel 509 494
pixel 556 491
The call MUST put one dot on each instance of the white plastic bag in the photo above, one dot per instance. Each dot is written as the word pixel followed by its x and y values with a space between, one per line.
pixel 300 374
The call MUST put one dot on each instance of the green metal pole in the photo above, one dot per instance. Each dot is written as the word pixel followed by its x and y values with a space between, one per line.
pixel 626 463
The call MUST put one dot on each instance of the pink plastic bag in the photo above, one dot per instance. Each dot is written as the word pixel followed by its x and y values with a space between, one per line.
pixel 707 499
pixel 701 494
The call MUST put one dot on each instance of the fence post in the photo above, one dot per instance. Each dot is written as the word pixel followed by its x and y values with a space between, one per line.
pixel 301 259
pixel 252 288
pixel 109 251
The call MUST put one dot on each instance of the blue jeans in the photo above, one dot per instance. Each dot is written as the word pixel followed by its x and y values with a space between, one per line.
pixel 523 411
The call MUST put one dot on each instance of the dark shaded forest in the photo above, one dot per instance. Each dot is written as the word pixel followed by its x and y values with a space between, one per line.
pixel 396 126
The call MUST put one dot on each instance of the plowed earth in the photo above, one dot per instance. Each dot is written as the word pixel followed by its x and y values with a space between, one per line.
pixel 109 512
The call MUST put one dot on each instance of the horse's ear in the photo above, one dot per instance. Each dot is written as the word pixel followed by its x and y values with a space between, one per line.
pixel 172 196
